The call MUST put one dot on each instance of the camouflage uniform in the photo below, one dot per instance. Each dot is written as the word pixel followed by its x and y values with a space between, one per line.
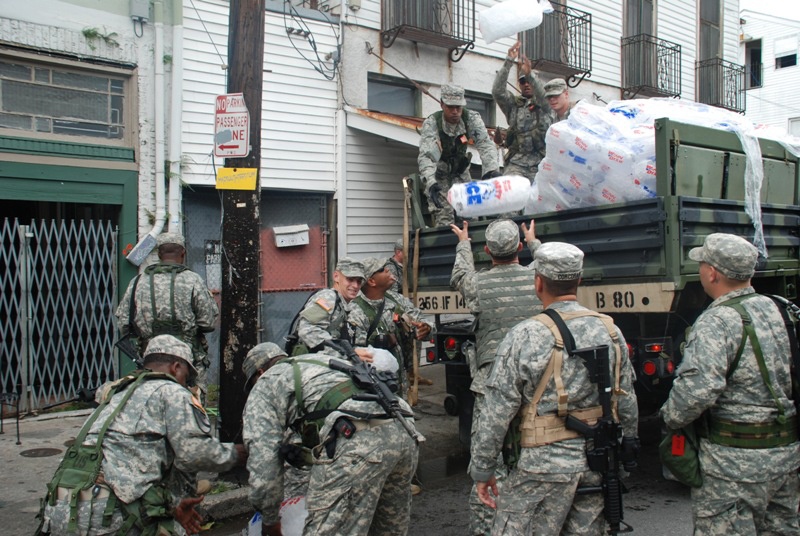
pixel 161 437
pixel 528 121
pixel 556 87
pixel 365 488
pixel 546 477
pixel 745 490
pixel 500 297
pixel 397 271
pixel 433 147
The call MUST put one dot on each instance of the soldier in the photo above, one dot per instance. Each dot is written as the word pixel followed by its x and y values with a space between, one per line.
pixel 378 315
pixel 146 437
pixel 742 384
pixel 362 461
pixel 395 266
pixel 170 299
pixel 557 95
pixel 324 315
pixel 500 297
pixel 539 494
pixel 443 158
pixel 529 116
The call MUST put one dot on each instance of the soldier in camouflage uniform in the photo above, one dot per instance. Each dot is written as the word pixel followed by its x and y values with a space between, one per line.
pixel 359 485
pixel 750 482
pixel 171 299
pixel 443 158
pixel 500 297
pixel 378 315
pixel 324 316
pixel 528 115
pixel 539 495
pixel 395 266
pixel 159 437
pixel 557 95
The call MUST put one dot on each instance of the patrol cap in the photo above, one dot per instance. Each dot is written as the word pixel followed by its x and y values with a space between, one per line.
pixel 350 267
pixel 502 238
pixel 558 261
pixel 373 265
pixel 555 87
pixel 258 357
pixel 170 238
pixel 453 95
pixel 398 244
pixel 732 255
pixel 170 345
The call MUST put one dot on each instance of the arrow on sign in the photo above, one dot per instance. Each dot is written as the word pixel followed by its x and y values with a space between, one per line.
pixel 223 147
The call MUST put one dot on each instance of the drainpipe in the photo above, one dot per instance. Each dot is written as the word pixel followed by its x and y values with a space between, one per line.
pixel 142 249
pixel 176 120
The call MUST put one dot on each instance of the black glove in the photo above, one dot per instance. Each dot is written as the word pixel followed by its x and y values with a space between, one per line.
pixel 433 194
pixel 491 175
pixel 442 170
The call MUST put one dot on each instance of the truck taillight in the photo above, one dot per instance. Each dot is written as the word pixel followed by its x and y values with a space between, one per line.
pixel 450 344
pixel 670 366
pixel 430 355
pixel 649 368
pixel 654 348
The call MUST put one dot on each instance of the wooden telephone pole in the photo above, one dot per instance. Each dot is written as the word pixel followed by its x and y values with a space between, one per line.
pixel 241 219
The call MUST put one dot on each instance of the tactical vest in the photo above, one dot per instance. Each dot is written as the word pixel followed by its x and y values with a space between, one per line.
pixel 531 141
pixel 377 323
pixel 537 430
pixel 294 346
pixel 506 298
pixel 82 465
pixel 454 153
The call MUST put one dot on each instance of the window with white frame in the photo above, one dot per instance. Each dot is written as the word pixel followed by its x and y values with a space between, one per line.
pixel 785 52
pixel 392 95
pixel 484 105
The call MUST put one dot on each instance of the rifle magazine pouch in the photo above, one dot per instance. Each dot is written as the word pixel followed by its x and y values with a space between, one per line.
pixel 680 454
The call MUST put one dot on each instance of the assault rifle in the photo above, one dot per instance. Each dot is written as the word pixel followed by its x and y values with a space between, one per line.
pixel 375 384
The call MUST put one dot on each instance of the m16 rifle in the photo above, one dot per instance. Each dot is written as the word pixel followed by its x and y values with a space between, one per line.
pixel 375 384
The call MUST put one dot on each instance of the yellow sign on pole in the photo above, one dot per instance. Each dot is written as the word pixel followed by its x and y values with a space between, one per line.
pixel 236 178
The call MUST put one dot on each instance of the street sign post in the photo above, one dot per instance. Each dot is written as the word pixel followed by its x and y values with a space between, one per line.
pixel 231 126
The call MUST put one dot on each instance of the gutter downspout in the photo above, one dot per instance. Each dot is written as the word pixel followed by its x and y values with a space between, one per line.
pixel 340 155
pixel 176 120
pixel 143 248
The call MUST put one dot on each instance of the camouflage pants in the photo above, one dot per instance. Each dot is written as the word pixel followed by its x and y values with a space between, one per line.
pixel 444 214
pixel 721 507
pixel 90 514
pixel 295 481
pixel 481 517
pixel 546 505
pixel 528 172
pixel 366 488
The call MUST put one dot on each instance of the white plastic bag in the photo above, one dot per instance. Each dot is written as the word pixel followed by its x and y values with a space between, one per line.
pixel 508 193
pixel 508 18
pixel 293 516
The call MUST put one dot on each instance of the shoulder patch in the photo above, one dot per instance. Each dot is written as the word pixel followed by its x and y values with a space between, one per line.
pixel 200 415
pixel 325 304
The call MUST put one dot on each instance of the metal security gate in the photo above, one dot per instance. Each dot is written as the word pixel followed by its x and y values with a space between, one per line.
pixel 57 331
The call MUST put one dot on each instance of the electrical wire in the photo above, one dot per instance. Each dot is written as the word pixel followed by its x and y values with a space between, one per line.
pixel 329 73
pixel 221 59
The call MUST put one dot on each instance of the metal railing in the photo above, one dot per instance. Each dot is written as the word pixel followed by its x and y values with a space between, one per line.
pixel 562 44
pixel 448 24
pixel 651 67
pixel 755 75
pixel 721 83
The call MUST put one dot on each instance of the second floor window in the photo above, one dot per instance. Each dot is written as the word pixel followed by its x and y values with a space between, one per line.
pixel 484 105
pixel 786 52
pixel 391 96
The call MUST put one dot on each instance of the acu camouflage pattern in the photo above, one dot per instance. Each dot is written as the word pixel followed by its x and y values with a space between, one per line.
pixel 160 438
pixel 528 121
pixel 546 477
pixel 365 488
pixel 323 318
pixel 735 478
pixel 430 153
pixel 732 255
pixel 396 269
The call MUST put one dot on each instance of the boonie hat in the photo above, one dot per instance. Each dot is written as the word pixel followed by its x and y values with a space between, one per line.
pixel 170 345
pixel 732 255
pixel 350 267
pixel 453 95
pixel 558 261
pixel 555 87
pixel 502 238
pixel 170 238
pixel 373 265
pixel 258 357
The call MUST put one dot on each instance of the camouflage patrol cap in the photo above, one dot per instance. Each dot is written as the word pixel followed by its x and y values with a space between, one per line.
pixel 732 255
pixel 398 244
pixel 555 87
pixel 169 345
pixel 258 357
pixel 373 265
pixel 350 267
pixel 453 95
pixel 170 238
pixel 558 261
pixel 502 238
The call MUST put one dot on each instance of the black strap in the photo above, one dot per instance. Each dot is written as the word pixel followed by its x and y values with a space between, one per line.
pixel 374 323
pixel 783 305
pixel 566 334
pixel 132 308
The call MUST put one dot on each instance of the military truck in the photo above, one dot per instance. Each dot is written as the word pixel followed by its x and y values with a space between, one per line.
pixel 636 267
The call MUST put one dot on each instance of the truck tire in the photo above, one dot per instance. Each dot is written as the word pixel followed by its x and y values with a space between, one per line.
pixel 451 405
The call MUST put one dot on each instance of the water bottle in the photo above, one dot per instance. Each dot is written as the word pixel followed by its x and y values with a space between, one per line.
pixel 489 197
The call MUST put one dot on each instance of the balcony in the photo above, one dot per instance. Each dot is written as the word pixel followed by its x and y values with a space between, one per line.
pixel 448 24
pixel 721 83
pixel 562 44
pixel 651 67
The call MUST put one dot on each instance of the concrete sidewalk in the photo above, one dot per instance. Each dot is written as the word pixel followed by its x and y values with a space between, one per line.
pixel 28 467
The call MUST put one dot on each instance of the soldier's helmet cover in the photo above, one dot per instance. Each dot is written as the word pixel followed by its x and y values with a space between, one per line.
pixel 258 357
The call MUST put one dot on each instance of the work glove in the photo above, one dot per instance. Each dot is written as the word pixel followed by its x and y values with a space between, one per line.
pixel 433 194
pixel 442 170
pixel 491 175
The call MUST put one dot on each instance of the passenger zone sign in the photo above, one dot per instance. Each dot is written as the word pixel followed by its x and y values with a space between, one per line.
pixel 231 126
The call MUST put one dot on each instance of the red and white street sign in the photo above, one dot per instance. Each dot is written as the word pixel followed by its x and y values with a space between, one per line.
pixel 231 126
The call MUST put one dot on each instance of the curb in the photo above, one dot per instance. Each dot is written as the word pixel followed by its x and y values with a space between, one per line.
pixel 227 504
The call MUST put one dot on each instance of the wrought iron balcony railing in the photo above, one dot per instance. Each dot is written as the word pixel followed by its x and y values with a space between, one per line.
pixel 651 67
pixel 562 44
pixel 448 24
pixel 755 75
pixel 721 83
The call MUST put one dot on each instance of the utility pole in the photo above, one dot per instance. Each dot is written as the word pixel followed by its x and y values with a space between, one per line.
pixel 241 220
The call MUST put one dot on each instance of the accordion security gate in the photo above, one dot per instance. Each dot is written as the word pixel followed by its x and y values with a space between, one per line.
pixel 57 329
